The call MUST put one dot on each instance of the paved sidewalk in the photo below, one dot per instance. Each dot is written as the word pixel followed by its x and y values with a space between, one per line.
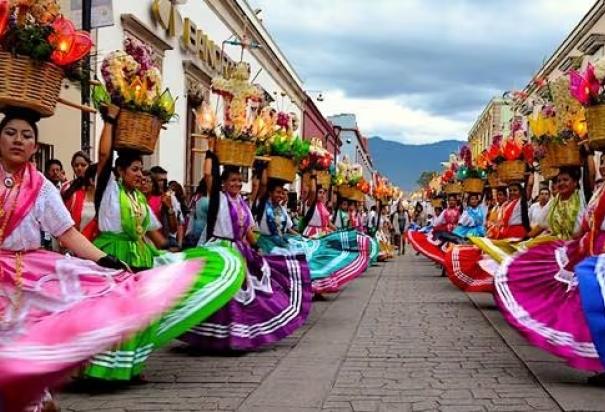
pixel 401 338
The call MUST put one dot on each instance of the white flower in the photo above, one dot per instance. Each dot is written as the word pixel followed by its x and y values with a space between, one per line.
pixel 599 69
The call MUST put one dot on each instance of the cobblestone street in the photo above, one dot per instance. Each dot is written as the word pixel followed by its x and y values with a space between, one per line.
pixel 401 338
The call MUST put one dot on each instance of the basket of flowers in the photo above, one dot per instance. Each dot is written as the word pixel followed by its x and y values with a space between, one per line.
pixel 38 48
pixel 350 182
pixel 134 83
pixel 320 160
pixel 511 156
pixel 236 141
pixel 471 175
pixel 588 89
pixel 284 149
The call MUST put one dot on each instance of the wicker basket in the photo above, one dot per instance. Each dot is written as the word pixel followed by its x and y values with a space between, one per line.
pixel 453 188
pixel 547 171
pixel 281 168
pixel 494 181
pixel 235 153
pixel 567 154
pixel 511 171
pixel 595 124
pixel 473 185
pixel 351 193
pixel 324 178
pixel 27 84
pixel 437 202
pixel 137 131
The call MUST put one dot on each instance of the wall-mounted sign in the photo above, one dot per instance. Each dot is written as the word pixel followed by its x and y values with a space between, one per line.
pixel 192 37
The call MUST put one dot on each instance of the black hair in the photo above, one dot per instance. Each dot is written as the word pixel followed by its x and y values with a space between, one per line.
pixel 214 195
pixel 202 188
pixel 51 162
pixel 228 171
pixel 524 207
pixel 124 160
pixel 274 184
pixel 80 182
pixel 502 190
pixel 158 170
pixel 81 154
pixel 574 172
pixel 13 113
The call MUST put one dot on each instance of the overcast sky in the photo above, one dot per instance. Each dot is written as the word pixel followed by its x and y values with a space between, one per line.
pixel 417 71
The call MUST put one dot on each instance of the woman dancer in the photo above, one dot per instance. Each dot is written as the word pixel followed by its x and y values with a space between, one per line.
pixel 79 199
pixel 276 297
pixel 94 305
pixel 125 223
pixel 537 289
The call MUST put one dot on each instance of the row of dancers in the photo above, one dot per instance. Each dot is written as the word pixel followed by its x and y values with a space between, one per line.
pixel 544 263
pixel 118 295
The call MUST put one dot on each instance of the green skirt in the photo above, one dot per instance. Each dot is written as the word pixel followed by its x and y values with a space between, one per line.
pixel 136 254
pixel 217 283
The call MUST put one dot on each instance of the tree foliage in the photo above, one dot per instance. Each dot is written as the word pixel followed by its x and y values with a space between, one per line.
pixel 425 177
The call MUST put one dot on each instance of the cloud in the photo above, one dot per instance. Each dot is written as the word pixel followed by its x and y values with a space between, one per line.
pixel 441 60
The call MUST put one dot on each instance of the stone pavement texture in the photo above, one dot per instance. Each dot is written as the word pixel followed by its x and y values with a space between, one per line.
pixel 401 338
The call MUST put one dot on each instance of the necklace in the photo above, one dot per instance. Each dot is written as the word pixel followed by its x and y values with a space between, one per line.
pixel 137 212
pixel 6 216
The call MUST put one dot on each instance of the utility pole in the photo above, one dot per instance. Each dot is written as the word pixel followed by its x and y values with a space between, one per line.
pixel 85 85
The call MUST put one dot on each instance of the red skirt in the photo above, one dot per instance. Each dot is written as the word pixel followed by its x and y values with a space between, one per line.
pixel 462 267
pixel 424 244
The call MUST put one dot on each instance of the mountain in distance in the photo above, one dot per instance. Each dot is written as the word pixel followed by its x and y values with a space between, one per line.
pixel 403 163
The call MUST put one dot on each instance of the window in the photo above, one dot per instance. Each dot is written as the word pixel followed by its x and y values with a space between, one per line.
pixel 198 91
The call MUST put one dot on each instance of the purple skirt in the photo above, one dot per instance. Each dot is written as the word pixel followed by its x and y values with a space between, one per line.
pixel 274 301
pixel 537 293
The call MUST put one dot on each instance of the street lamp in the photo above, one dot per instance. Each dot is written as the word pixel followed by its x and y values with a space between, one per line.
pixel 320 96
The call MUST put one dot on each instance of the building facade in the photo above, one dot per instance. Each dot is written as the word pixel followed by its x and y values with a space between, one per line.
pixel 190 40
pixel 315 125
pixel 354 144
pixel 494 120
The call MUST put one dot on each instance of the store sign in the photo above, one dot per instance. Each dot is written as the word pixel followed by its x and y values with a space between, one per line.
pixel 193 38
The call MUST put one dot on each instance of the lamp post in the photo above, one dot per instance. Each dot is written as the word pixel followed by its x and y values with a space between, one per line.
pixel 85 85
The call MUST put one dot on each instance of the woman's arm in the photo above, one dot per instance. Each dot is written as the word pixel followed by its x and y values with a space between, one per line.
pixel 82 247
pixel 110 114
pixel 157 238
pixel 251 238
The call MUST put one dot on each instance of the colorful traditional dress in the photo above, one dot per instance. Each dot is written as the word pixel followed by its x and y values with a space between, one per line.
pixel 82 211
pixel 57 311
pixel 428 243
pixel 471 223
pixel 537 289
pixel 341 219
pixel 472 267
pixel 275 299
pixel 334 260
pixel 124 218
pixel 318 223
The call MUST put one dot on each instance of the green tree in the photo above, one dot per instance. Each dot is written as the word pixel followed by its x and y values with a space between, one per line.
pixel 425 177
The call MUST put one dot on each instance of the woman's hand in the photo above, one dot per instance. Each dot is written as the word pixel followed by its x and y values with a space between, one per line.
pixel 167 200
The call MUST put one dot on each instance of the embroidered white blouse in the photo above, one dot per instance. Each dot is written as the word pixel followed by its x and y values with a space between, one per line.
pixel 110 215
pixel 48 214
pixel 223 228
pixel 264 226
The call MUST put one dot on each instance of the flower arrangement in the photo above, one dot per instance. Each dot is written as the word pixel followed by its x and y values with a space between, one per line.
pixel 351 176
pixel 134 82
pixel 318 159
pixel 468 169
pixel 383 190
pixel 237 92
pixel 283 142
pixel 36 29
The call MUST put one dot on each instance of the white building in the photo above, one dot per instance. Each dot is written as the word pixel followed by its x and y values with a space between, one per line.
pixel 354 144
pixel 187 40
